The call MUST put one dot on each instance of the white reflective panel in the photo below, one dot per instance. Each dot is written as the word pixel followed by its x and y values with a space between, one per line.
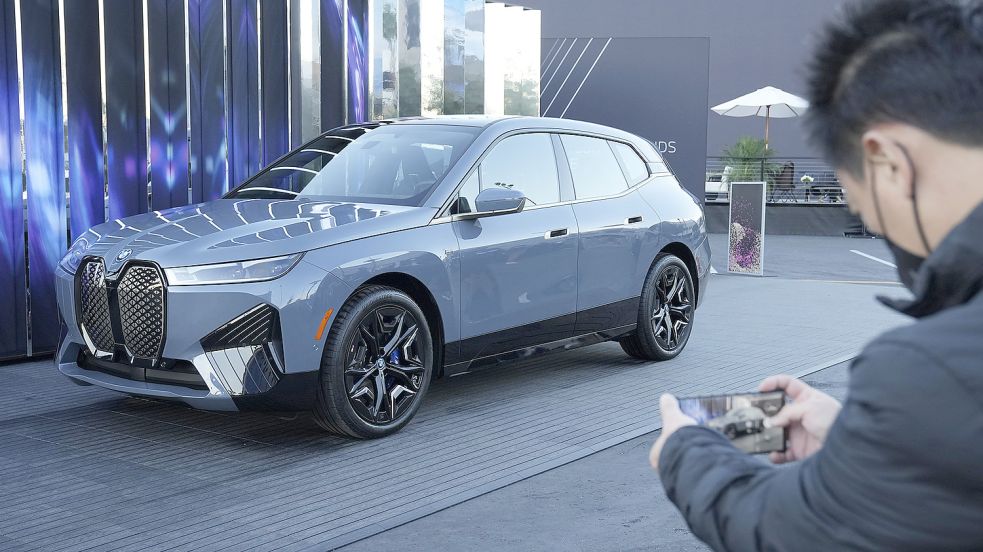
pixel 530 33
pixel 522 61
pixel 496 46
pixel 432 57
pixel 305 65
pixel 384 92
pixel 408 54
pixel 474 56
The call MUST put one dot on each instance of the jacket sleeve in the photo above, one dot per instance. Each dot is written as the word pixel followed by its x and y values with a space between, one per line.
pixel 868 487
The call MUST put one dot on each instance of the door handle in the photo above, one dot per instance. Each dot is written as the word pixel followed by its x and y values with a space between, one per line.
pixel 633 220
pixel 556 233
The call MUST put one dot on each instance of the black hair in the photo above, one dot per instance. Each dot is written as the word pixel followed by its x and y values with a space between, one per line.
pixel 917 62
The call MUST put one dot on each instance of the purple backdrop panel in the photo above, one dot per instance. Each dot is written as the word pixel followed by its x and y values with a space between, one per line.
pixel 333 107
pixel 168 104
pixel 126 131
pixel 209 175
pixel 13 305
pixel 274 125
pixel 85 163
pixel 243 93
pixel 358 60
pixel 44 148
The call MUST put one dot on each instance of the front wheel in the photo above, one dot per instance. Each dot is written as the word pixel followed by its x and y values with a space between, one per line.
pixel 666 309
pixel 377 365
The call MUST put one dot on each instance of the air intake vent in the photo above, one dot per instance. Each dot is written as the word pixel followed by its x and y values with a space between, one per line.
pixel 254 327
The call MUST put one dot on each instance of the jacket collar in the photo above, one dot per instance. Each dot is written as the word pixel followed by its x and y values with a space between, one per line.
pixel 952 275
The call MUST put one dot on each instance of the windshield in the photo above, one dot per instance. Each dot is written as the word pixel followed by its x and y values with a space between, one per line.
pixel 391 164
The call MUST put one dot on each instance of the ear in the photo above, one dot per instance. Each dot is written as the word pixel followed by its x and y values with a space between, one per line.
pixel 884 154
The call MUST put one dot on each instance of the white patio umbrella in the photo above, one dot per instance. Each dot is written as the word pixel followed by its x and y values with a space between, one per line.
pixel 765 102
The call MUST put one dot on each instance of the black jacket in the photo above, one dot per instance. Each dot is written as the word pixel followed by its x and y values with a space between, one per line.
pixel 902 467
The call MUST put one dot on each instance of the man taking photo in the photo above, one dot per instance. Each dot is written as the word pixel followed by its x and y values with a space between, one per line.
pixel 897 106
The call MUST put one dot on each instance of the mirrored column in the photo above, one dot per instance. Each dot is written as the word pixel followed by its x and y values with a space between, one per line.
pixel 474 56
pixel 385 49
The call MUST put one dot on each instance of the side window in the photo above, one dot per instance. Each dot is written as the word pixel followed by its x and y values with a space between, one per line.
pixel 595 171
pixel 524 162
pixel 466 195
pixel 634 166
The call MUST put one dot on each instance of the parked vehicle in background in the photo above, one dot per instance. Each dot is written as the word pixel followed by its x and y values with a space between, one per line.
pixel 717 187
pixel 346 276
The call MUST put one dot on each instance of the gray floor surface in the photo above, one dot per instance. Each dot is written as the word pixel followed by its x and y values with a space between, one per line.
pixel 83 468
pixel 609 501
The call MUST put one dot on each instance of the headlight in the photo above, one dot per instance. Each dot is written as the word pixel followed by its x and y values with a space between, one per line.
pixel 71 261
pixel 226 273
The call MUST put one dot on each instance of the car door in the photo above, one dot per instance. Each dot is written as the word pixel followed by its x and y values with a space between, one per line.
pixel 518 271
pixel 615 227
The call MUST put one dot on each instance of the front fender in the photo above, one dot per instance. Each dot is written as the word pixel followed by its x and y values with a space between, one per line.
pixel 428 254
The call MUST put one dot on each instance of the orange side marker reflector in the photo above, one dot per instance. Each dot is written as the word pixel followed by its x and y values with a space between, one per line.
pixel 324 324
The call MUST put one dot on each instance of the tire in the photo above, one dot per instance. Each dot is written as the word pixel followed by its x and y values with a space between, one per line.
pixel 659 342
pixel 731 432
pixel 353 367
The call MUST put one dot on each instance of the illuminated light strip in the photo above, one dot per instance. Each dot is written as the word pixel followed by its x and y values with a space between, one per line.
pixel 324 324
pixel 572 69
pixel 319 151
pixel 225 89
pixel 289 37
pixel 187 97
pixel 146 98
pixel 23 177
pixel 574 97
pixel 344 60
pixel 64 117
pixel 261 155
pixel 105 118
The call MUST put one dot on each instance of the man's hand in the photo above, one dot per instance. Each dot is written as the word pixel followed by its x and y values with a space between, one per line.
pixel 808 417
pixel 672 419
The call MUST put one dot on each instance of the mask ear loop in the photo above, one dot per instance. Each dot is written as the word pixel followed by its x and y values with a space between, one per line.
pixel 877 202
pixel 914 197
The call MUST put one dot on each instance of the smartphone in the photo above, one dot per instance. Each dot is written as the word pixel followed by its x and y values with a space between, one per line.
pixel 741 418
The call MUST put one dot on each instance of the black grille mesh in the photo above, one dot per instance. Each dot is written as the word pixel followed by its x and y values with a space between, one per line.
pixel 141 310
pixel 94 303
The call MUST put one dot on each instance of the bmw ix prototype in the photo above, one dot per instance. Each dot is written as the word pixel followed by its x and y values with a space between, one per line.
pixel 346 276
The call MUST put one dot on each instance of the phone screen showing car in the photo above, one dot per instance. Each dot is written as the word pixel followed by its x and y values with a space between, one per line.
pixel 741 418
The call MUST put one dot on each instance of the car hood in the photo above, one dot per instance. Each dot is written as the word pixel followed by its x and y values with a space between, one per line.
pixel 238 229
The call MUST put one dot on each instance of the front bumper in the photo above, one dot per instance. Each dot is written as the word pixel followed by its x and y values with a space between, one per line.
pixel 279 373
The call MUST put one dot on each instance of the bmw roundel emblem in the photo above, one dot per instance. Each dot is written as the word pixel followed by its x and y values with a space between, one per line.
pixel 123 255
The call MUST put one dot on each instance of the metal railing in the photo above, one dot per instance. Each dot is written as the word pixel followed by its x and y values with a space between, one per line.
pixel 790 179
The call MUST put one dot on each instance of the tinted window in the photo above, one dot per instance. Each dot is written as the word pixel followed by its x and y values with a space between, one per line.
pixel 595 170
pixel 396 164
pixel 526 163
pixel 633 164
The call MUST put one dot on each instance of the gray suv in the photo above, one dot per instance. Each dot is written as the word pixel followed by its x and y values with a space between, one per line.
pixel 346 276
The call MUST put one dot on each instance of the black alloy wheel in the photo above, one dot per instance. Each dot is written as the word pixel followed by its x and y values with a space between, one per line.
pixel 673 313
pixel 666 310
pixel 383 371
pixel 377 365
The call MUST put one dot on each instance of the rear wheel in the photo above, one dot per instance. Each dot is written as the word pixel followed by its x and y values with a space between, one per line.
pixel 377 365
pixel 665 314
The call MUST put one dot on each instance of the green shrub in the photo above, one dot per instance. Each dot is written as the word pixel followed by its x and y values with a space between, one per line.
pixel 747 157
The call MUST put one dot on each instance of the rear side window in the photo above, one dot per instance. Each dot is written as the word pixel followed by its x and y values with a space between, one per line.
pixel 635 168
pixel 595 171
pixel 525 162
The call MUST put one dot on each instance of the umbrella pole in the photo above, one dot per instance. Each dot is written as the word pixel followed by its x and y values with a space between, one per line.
pixel 767 125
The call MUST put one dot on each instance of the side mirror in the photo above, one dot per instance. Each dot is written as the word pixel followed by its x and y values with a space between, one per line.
pixel 496 201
